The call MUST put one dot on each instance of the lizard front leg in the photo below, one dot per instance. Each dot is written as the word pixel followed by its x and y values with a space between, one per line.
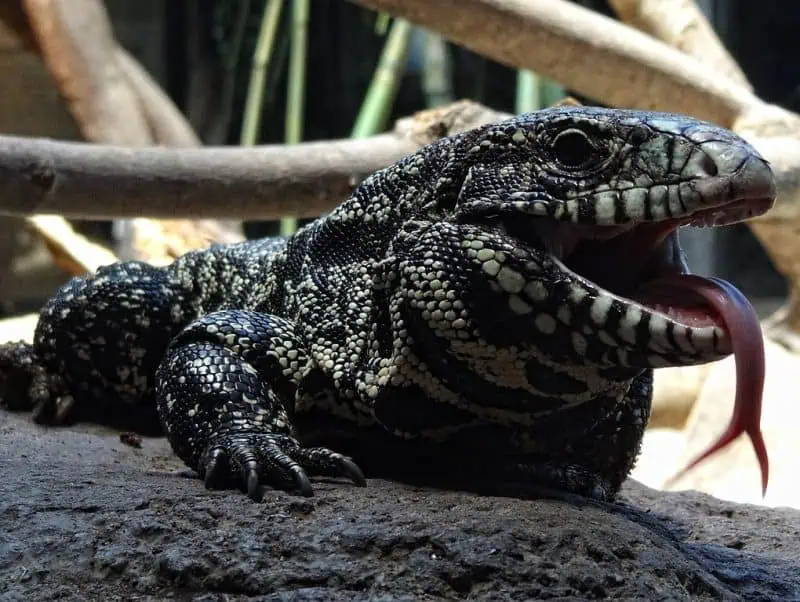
pixel 225 390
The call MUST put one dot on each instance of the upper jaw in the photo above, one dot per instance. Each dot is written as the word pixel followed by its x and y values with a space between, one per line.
pixel 619 256
pixel 747 192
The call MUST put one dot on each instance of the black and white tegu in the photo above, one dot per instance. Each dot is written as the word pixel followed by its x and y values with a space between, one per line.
pixel 493 305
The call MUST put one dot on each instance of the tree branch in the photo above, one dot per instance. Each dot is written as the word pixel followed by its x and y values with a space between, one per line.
pixel 586 52
pixel 80 180
pixel 90 181
pixel 682 25
pixel 87 74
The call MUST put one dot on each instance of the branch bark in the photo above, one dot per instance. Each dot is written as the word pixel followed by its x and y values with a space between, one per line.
pixel 91 181
pixel 87 74
pixel 69 178
pixel 682 25
pixel 591 54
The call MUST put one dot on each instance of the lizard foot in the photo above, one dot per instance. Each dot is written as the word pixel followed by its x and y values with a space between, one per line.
pixel 26 385
pixel 224 390
pixel 257 459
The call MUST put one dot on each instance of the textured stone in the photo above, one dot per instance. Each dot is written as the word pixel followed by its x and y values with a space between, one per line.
pixel 84 516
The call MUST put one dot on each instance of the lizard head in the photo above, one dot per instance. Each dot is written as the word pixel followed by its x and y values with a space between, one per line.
pixel 570 217
pixel 584 206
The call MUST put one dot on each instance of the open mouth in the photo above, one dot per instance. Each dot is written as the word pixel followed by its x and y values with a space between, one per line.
pixel 642 264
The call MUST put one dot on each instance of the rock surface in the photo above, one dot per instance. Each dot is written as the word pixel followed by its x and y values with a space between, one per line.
pixel 84 516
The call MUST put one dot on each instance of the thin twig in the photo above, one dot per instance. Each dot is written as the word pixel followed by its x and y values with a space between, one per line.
pixel 379 100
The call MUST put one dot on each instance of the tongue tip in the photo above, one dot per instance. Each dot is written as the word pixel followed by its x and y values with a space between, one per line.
pixel 733 433
pixel 763 458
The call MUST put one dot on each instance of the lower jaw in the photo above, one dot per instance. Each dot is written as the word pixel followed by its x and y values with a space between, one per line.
pixel 645 266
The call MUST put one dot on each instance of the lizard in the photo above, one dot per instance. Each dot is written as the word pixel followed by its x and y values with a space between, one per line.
pixel 493 304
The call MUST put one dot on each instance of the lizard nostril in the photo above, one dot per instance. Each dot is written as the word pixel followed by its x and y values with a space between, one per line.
pixel 708 165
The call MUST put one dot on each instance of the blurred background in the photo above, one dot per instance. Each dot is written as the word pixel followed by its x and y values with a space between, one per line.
pixel 200 53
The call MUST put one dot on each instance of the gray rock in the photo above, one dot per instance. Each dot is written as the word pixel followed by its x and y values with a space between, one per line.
pixel 85 517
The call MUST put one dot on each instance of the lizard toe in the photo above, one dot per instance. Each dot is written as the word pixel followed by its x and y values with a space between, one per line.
pixel 252 462
pixel 26 385
pixel 18 367
pixel 53 409
pixel 254 490
pixel 213 470
pixel 325 462
pixel 302 482
pixel 351 470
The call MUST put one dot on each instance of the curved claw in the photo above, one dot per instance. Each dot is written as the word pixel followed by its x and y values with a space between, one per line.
pixel 303 483
pixel 63 408
pixel 254 490
pixel 43 412
pixel 53 410
pixel 351 470
pixel 213 468
pixel 258 461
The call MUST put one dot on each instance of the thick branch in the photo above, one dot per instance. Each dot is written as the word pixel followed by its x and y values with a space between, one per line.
pixel 91 181
pixel 588 53
pixel 80 180
pixel 86 73
pixel 681 24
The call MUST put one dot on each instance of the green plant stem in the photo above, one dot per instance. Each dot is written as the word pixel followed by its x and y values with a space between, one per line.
pixel 378 102
pixel 382 20
pixel 295 96
pixel 254 104
pixel 550 92
pixel 528 96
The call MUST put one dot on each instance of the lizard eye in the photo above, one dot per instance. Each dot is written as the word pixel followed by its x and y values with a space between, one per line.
pixel 573 149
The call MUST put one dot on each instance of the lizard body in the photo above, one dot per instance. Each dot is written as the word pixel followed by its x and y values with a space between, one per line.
pixel 468 308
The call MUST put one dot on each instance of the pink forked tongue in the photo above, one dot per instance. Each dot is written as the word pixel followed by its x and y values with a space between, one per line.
pixel 741 323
